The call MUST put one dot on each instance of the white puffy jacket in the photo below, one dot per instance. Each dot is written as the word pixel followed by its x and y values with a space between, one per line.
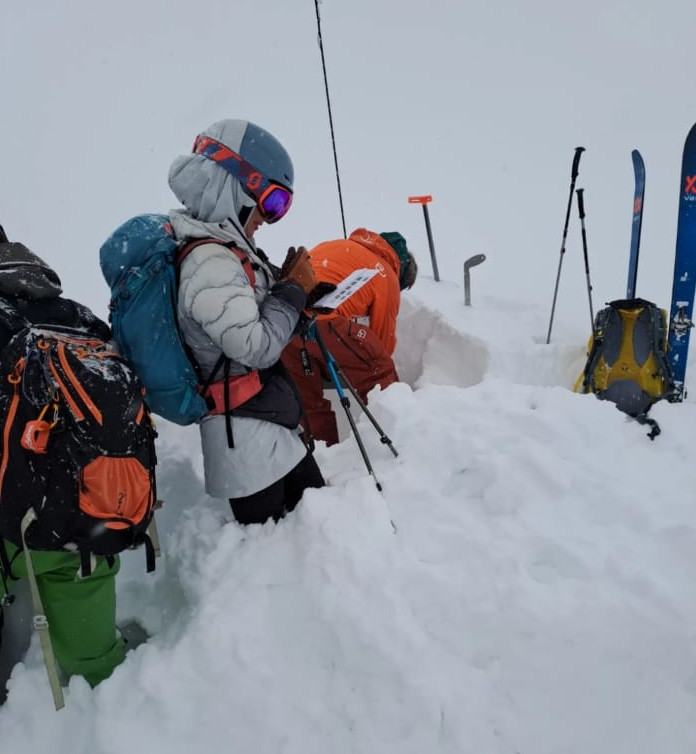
pixel 219 312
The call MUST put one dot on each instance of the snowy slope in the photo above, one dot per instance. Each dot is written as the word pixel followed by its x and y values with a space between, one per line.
pixel 536 596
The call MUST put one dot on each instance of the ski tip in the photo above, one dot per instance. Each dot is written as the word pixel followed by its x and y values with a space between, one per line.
pixel 691 135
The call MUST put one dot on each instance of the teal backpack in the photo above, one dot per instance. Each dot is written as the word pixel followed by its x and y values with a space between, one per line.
pixel 140 262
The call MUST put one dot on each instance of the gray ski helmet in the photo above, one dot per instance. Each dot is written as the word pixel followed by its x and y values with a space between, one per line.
pixel 257 146
pixel 267 155
pixel 209 191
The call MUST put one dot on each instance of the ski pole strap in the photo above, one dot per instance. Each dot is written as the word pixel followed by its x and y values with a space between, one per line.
pixel 40 620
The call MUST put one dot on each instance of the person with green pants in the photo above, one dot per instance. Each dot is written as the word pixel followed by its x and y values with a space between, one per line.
pixel 81 612
pixel 73 594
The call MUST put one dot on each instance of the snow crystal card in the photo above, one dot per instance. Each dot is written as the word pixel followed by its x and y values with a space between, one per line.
pixel 345 289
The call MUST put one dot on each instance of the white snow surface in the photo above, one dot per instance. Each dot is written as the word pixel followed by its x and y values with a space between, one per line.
pixel 538 592
pixel 534 594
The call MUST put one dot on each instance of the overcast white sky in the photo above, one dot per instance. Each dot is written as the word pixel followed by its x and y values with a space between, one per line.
pixel 480 104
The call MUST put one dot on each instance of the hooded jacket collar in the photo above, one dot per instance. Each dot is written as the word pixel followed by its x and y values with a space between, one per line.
pixel 377 245
pixel 187 226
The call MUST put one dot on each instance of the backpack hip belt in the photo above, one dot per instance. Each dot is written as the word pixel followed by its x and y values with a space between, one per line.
pixel 239 390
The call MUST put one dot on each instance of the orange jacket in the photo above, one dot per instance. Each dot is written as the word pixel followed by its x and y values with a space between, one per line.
pixel 379 298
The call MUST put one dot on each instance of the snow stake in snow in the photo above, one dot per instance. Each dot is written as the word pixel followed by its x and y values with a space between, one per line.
pixel 424 200
pixel 470 262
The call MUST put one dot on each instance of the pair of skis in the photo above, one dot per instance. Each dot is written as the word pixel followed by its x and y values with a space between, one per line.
pixel 684 278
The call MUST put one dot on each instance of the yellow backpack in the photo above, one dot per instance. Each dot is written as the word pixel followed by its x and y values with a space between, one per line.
pixel 627 358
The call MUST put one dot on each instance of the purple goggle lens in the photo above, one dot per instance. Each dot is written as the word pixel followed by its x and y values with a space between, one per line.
pixel 274 203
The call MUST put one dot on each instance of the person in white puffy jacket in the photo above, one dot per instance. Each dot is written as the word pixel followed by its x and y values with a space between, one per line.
pixel 236 314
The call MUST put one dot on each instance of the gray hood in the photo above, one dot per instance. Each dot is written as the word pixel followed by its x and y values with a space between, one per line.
pixel 206 189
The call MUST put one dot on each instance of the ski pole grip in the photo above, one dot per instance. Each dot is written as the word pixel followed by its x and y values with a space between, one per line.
pixel 576 162
pixel 581 203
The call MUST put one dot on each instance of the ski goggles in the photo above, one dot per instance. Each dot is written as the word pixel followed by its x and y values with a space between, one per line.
pixel 272 199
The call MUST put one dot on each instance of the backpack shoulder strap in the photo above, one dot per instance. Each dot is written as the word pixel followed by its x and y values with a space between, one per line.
pixel 659 348
pixel 187 248
pixel 600 324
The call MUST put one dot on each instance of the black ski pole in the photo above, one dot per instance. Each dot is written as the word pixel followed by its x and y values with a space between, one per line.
pixel 384 439
pixel 345 402
pixel 573 177
pixel 581 212
pixel 3 236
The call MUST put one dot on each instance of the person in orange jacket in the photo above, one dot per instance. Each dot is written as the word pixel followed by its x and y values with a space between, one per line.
pixel 363 352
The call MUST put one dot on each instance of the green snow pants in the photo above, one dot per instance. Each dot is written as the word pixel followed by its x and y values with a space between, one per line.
pixel 81 612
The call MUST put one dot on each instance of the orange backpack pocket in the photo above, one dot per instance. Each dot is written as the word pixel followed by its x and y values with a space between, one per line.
pixel 117 490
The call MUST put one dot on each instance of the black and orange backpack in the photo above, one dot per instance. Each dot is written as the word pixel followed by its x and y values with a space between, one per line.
pixel 77 460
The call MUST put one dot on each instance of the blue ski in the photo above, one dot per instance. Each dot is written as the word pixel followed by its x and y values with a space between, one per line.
pixel 638 196
pixel 684 280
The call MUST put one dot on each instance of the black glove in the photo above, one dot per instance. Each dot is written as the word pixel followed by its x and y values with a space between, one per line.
pixel 303 325
pixel 319 290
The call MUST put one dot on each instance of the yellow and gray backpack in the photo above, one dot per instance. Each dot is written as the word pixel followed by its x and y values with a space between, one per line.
pixel 627 359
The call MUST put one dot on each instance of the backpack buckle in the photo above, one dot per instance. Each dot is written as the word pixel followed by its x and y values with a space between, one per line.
pixel 37 431
pixel 35 435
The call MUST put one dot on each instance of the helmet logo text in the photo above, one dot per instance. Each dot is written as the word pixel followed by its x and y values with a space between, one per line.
pixel 254 181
